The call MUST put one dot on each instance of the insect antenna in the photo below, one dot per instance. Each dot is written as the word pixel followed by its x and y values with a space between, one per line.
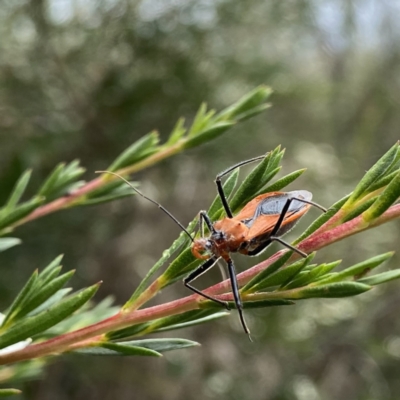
pixel 162 208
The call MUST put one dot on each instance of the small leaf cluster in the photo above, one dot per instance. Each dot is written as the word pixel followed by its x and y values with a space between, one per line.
pixel 303 280
pixel 63 179
pixel 378 190
pixel 41 304
pixel 64 188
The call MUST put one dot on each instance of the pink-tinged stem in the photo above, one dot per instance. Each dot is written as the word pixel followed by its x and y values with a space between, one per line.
pixel 87 335
pixel 60 203
pixel 147 294
pixel 331 223
pixel 121 320
pixel 68 200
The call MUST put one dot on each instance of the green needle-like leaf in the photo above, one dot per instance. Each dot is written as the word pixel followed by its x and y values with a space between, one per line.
pixel 355 212
pixel 147 347
pixel 48 270
pixel 50 276
pixel 191 317
pixel 384 201
pixel 142 148
pixel 250 185
pixel 383 181
pixel 51 182
pixel 246 104
pixel 250 287
pixel 284 275
pixel 276 158
pixel 310 276
pixel 213 132
pixel 282 183
pixel 201 121
pixel 163 345
pixel 296 268
pixel 267 178
pixel 18 191
pixel 381 278
pixel 124 349
pixel 358 269
pixel 8 242
pixel 116 349
pixel 253 112
pixel 55 298
pixel 130 331
pixel 44 293
pixel 177 133
pixel 9 392
pixel 249 304
pixel 162 324
pixel 332 290
pixel 209 317
pixel 177 266
pixel 20 211
pixel 267 303
pixel 39 323
pixel 22 296
pixel 373 175
pixel 63 179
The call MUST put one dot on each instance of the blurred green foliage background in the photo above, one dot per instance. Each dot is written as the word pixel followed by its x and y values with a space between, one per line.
pixel 85 78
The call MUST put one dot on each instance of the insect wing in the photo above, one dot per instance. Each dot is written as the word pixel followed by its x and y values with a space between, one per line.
pixel 249 211
pixel 268 211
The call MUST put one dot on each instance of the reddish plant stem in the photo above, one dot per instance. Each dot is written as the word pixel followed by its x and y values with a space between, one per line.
pixel 60 203
pixel 121 320
pixel 144 297
pixel 85 336
pixel 330 224
pixel 96 183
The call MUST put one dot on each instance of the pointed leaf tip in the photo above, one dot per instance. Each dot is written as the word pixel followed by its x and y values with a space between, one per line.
pixel 332 290
pixel 8 242
pixel 9 392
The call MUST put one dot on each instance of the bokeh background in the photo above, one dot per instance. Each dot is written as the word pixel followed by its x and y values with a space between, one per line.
pixel 85 78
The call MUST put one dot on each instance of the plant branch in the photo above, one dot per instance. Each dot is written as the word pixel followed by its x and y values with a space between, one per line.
pixel 83 337
pixel 77 195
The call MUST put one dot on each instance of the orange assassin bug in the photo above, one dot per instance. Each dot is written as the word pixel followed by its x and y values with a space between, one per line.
pixel 261 221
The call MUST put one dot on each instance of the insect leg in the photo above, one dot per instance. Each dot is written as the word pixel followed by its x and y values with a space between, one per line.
pixel 220 187
pixel 195 274
pixel 310 202
pixel 282 216
pixel 278 225
pixel 236 294
pixel 205 218
pixel 289 246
